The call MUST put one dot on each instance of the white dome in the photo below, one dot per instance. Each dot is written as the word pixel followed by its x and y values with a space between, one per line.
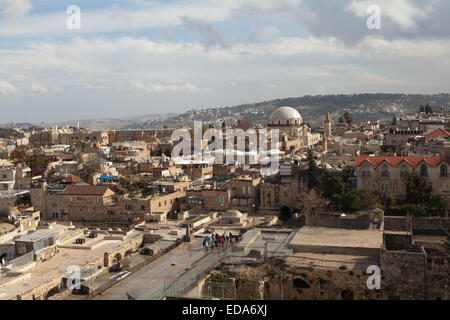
pixel 285 116
pixel 232 214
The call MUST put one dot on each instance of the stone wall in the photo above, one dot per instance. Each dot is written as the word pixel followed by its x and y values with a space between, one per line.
pixel 422 224
pixel 130 246
pixel 45 254
pixel 305 283
pixel 405 273
pixel 334 220
pixel 40 292
pixel 397 241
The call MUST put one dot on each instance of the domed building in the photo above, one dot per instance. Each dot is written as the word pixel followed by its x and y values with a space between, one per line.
pixel 285 116
pixel 294 134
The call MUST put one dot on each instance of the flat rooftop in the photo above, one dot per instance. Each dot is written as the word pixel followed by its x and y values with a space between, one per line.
pixel 36 236
pixel 57 266
pixel 337 241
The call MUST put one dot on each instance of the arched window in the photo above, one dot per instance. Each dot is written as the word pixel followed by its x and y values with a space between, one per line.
pixel 366 171
pixel 444 171
pixel 385 171
pixel 404 171
pixel 424 171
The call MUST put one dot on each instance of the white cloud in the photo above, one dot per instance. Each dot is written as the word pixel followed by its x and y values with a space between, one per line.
pixel 35 87
pixel 264 33
pixel 12 9
pixel 7 88
pixel 92 76
pixel 401 12
pixel 157 88
pixel 117 19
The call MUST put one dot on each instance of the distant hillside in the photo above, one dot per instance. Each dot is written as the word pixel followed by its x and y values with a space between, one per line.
pixel 116 124
pixel 312 108
pixel 362 107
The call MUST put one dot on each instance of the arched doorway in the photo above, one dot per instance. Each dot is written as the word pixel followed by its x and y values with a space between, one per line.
pixel 285 214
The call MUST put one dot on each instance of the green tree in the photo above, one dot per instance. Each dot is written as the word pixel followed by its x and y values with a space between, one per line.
pixel 81 146
pixel 332 187
pixel 313 171
pixel 422 108
pixel 417 190
pixel 428 109
pixel 394 121
pixel 19 155
pixel 348 118
pixel 356 200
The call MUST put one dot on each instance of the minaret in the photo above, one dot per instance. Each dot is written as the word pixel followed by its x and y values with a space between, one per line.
pixel 326 131
pixel 327 125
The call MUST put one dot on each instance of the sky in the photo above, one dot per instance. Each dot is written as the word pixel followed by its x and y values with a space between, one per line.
pixel 139 57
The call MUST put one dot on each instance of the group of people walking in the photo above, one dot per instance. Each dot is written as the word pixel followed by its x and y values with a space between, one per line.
pixel 216 240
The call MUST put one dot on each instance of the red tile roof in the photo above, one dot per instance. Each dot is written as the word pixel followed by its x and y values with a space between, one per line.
pixel 438 133
pixel 86 190
pixel 413 161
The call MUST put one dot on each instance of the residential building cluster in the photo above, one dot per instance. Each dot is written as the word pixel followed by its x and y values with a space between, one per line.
pixel 109 191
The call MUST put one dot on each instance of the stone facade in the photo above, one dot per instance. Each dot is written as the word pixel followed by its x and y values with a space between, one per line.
pixel 387 175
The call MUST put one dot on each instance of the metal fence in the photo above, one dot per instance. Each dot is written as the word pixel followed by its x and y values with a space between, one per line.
pixel 187 281
pixel 225 290
pixel 111 281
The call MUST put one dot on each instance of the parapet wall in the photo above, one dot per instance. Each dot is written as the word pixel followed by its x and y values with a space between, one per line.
pixel 335 220
pixel 418 223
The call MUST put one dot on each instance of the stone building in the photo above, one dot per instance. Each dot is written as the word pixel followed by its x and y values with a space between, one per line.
pixel 18 178
pixel 229 192
pixel 85 201
pixel 387 175
pixel 397 139
pixel 294 134
pixel 71 138
pixel 88 203
pixel 65 136
pixel 282 194
pixel 49 201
